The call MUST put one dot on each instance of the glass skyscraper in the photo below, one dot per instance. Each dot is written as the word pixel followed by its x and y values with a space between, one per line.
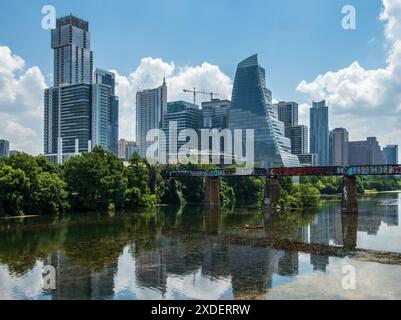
pixel 319 132
pixel 151 105
pixel 73 59
pixel 67 119
pixel 390 153
pixel 108 103
pixel 251 108
pixel 187 116
pixel 339 147
pixel 288 113
pixel 215 113
pixel 78 114
pixel 4 148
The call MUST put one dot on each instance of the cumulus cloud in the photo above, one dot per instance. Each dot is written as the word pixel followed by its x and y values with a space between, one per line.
pixel 367 102
pixel 150 73
pixel 21 94
pixel 21 102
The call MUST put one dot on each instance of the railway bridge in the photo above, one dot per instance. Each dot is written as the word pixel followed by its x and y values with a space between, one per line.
pixel 272 175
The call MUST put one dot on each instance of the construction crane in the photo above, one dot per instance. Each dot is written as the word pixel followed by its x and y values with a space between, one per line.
pixel 194 92
pixel 143 83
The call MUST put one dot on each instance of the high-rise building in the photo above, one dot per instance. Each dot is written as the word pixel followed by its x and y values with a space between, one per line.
pixel 319 131
pixel 130 149
pixel 105 113
pixel 187 116
pixel 390 153
pixel 365 152
pixel 67 121
pixel 298 135
pixel 251 108
pixel 126 149
pixel 122 143
pixel 151 105
pixel 4 148
pixel 309 159
pixel 78 114
pixel 339 147
pixel 215 113
pixel 73 58
pixel 288 113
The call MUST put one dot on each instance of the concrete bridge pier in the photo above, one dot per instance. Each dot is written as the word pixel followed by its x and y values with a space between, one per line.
pixel 212 193
pixel 272 191
pixel 349 196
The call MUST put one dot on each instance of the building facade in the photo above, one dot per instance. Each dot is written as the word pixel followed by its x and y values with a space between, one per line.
pixel 67 120
pixel 365 152
pixel 339 147
pixel 251 108
pixel 151 105
pixel 319 131
pixel 126 149
pixel 4 148
pixel 73 58
pixel 309 159
pixel 215 113
pixel 390 153
pixel 288 113
pixel 107 104
pixel 183 115
pixel 298 135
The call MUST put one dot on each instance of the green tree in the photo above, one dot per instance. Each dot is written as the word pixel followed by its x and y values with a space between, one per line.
pixel 96 180
pixel 13 186
pixel 139 183
pixel 52 195
pixel 40 191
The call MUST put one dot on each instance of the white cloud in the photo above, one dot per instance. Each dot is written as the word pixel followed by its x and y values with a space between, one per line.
pixel 367 102
pixel 21 94
pixel 21 102
pixel 150 73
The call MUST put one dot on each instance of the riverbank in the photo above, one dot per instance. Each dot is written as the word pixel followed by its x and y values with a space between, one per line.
pixel 381 192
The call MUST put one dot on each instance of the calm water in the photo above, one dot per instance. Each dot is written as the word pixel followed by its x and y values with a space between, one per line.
pixel 198 253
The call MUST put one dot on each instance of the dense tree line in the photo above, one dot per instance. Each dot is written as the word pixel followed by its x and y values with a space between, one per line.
pixel 334 185
pixel 100 181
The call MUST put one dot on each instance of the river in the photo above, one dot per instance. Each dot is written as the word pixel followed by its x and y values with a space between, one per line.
pixel 202 253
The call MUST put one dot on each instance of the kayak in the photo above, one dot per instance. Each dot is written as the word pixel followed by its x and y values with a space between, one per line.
pixel 248 227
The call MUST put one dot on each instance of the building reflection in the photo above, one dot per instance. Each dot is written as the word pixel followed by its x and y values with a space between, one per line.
pixel 212 244
pixel 73 282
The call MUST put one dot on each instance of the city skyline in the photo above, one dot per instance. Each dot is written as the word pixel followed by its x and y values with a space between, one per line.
pixel 17 131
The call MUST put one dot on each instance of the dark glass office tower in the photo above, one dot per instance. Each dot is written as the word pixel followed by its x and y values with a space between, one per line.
pixel 251 108
pixel 67 120
pixel 73 59
pixel 4 148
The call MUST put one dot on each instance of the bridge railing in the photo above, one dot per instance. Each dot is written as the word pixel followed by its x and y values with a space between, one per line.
pixel 366 170
pixel 374 170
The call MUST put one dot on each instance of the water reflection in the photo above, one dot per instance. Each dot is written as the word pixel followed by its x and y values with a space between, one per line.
pixel 193 252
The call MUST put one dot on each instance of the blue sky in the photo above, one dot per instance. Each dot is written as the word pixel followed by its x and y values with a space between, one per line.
pixel 301 43
pixel 296 40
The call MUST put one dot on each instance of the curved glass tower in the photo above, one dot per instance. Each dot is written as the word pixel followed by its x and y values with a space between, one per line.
pixel 251 108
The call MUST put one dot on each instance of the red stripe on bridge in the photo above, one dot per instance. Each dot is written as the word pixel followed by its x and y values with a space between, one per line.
pixel 290 172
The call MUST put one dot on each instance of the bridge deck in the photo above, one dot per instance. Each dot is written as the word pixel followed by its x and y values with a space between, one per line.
pixel 369 170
